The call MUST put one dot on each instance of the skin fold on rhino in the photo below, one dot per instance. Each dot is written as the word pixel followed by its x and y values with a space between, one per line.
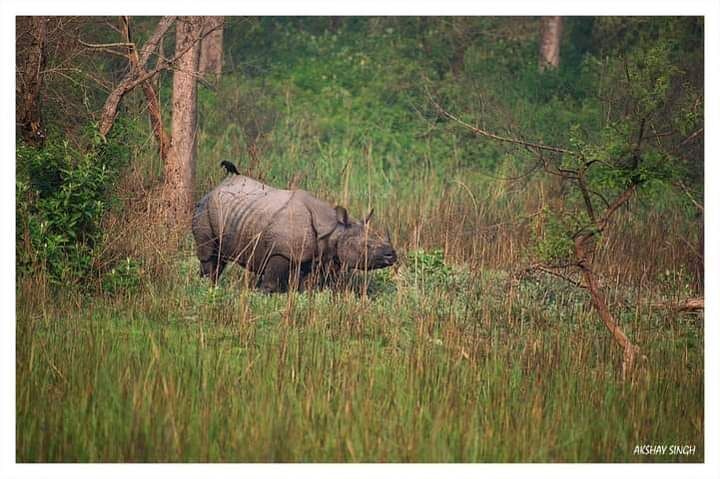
pixel 279 234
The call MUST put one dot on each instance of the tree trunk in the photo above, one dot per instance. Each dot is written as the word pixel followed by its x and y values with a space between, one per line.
pixel 583 252
pixel 550 36
pixel 29 81
pixel 461 38
pixel 211 54
pixel 180 163
pixel 334 24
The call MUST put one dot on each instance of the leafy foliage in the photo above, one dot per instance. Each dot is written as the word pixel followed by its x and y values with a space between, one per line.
pixel 428 270
pixel 554 245
pixel 637 144
pixel 62 193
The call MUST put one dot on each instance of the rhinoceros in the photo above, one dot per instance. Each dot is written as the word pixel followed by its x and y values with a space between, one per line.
pixel 277 233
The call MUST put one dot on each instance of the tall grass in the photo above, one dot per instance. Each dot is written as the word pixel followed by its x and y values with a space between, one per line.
pixel 430 366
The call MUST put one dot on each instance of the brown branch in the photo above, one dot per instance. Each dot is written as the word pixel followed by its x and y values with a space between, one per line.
pixel 106 45
pixel 588 232
pixel 135 77
pixel 487 134
pixel 152 98
pixel 690 304
pixel 157 36
pixel 561 172
pixel 586 195
pixel 619 201
pixel 599 303
pixel 551 270
pixel 640 135
pixel 692 136
pixel 604 200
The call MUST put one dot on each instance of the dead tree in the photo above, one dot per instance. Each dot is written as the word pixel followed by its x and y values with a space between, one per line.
pixel 139 75
pixel 585 238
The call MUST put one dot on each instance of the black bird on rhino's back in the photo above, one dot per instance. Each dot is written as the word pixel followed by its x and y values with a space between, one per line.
pixel 229 167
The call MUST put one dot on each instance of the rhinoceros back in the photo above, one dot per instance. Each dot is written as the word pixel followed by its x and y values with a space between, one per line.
pixel 253 221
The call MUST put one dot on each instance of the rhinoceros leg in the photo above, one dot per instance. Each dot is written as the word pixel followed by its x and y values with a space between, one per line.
pixel 206 244
pixel 274 278
pixel 212 269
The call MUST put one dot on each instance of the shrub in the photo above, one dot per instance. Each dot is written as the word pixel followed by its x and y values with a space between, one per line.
pixel 428 269
pixel 61 195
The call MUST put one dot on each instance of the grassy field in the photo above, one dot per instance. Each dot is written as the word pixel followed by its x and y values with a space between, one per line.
pixel 430 365
pixel 445 357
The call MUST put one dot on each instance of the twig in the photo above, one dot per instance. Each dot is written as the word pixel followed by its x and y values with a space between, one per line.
pixel 136 77
pixel 607 204
pixel 619 201
pixel 551 270
pixel 504 139
pixel 686 190
pixel 691 137
pixel 106 45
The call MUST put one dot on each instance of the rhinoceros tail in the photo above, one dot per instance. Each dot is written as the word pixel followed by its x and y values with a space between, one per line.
pixel 202 231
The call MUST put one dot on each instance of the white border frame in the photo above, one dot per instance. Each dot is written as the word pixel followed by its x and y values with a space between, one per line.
pixel 709 9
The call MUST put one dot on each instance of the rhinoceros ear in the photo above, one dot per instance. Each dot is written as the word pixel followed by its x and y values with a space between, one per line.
pixel 324 217
pixel 342 216
pixel 369 216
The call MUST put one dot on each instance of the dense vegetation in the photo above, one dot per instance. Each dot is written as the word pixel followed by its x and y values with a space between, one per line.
pixel 125 354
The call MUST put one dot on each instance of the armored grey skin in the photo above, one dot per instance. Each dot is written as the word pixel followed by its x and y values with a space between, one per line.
pixel 276 233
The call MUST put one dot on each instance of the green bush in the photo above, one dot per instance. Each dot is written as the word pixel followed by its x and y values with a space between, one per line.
pixel 428 269
pixel 62 193
pixel 555 244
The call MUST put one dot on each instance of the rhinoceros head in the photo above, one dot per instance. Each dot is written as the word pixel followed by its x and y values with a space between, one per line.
pixel 359 245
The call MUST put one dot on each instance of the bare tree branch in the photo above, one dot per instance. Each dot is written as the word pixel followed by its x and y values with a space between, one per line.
pixel 157 36
pixel 604 200
pixel 617 203
pixel 487 134
pixel 553 271
pixel 140 75
pixel 161 135
pixel 106 45
pixel 692 136
pixel 135 77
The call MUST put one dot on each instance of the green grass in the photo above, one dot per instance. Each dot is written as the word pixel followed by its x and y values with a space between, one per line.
pixel 432 365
